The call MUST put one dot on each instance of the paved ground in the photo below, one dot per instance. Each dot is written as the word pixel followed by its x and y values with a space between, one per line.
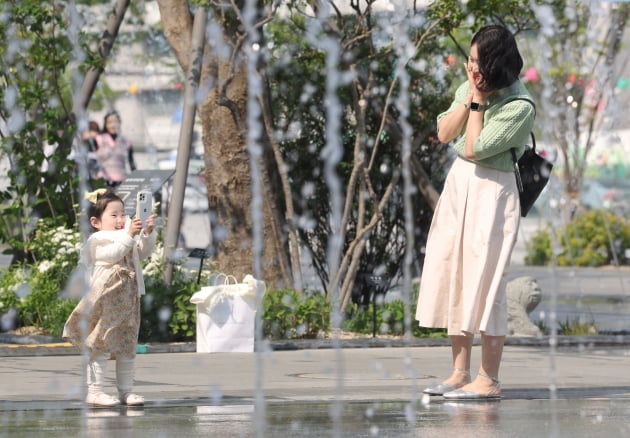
pixel 579 391
pixel 369 387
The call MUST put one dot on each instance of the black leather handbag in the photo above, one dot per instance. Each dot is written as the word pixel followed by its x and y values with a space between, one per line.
pixel 532 174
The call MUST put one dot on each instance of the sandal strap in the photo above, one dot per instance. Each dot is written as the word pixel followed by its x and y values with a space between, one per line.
pixel 494 379
pixel 459 370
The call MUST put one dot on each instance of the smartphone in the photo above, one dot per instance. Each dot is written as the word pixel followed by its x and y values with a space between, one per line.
pixel 144 205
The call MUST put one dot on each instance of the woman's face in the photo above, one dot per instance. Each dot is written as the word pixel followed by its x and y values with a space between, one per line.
pixel 112 124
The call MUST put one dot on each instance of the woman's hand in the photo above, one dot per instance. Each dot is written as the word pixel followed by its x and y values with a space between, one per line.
pixel 475 80
pixel 474 77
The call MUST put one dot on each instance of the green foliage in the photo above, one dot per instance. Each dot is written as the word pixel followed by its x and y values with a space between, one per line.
pixel 35 91
pixel 370 64
pixel 577 327
pixel 167 313
pixel 539 249
pixel 33 288
pixel 289 314
pixel 390 317
pixel 594 238
pixel 184 320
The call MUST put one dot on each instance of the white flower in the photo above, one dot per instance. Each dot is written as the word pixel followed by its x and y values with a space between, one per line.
pixel 44 266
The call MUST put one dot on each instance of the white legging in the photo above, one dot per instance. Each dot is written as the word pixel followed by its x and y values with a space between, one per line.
pixel 125 370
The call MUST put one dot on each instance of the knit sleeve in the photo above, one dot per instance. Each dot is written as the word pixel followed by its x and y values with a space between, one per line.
pixel 460 94
pixel 108 247
pixel 508 127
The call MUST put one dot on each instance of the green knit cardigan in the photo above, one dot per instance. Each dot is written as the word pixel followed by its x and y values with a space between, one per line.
pixel 506 125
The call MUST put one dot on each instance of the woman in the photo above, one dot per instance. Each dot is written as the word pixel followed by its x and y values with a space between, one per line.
pixel 476 220
pixel 113 151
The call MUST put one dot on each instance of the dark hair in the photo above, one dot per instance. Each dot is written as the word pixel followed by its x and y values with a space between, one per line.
pixel 107 116
pixel 102 201
pixel 93 126
pixel 500 62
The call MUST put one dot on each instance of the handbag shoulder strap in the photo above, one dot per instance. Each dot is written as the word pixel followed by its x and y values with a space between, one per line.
pixel 531 133
pixel 526 100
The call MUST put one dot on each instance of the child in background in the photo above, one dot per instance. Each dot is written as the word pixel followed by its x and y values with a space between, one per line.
pixel 89 139
pixel 107 320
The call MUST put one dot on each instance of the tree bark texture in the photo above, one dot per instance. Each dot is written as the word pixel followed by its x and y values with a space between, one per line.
pixel 223 115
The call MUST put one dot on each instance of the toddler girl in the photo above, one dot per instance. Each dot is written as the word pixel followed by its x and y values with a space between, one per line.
pixel 107 319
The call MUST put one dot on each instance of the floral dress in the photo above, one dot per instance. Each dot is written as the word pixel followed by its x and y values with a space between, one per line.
pixel 107 319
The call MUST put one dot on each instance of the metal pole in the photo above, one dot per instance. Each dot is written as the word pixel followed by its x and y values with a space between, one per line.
pixel 185 139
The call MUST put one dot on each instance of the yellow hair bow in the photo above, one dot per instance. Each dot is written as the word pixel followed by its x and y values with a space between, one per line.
pixel 93 196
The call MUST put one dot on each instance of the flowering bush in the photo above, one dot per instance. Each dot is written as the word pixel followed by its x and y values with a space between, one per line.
pixel 29 291
pixel 33 293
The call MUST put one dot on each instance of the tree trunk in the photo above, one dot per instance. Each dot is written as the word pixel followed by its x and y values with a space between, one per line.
pixel 228 177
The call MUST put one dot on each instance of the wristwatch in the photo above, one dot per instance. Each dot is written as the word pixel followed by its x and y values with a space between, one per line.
pixel 475 106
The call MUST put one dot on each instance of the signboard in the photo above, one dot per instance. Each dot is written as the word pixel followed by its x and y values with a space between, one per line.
pixel 200 253
pixel 152 180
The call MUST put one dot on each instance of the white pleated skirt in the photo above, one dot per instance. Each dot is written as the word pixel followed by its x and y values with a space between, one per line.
pixel 472 235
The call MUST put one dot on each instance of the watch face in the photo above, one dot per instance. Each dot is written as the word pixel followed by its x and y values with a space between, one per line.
pixel 474 106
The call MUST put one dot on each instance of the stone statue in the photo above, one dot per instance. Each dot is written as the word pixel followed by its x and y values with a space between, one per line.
pixel 523 295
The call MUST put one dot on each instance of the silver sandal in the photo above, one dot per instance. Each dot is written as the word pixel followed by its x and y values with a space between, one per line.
pixel 442 388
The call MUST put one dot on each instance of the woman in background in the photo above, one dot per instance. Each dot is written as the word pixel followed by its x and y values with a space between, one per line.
pixel 113 151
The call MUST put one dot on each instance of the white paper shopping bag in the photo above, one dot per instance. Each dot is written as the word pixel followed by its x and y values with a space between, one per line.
pixel 226 315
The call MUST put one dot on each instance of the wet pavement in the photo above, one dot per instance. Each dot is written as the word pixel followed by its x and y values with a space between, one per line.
pixel 582 390
pixel 367 387
pixel 508 418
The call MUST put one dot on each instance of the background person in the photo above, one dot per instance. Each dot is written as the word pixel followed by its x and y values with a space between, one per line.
pixel 89 138
pixel 114 151
pixel 476 220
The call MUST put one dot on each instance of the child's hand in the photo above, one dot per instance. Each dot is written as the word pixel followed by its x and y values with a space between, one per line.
pixel 135 227
pixel 150 225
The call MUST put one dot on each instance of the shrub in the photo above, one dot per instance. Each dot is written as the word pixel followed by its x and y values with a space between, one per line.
pixel 390 317
pixel 577 327
pixel 167 313
pixel 539 249
pixel 13 285
pixel 289 314
pixel 594 238
pixel 32 288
